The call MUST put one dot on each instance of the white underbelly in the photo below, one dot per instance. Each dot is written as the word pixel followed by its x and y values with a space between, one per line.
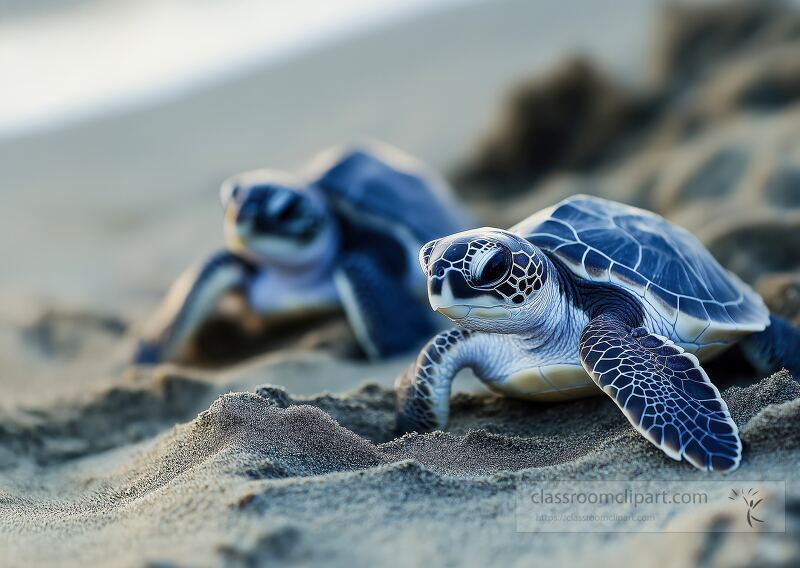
pixel 552 382
pixel 271 292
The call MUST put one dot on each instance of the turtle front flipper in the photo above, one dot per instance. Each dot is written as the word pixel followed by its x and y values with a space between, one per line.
pixel 423 390
pixel 386 317
pixel 188 303
pixel 662 391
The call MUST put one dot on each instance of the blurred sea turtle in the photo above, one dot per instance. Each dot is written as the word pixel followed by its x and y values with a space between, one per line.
pixel 347 236
pixel 592 293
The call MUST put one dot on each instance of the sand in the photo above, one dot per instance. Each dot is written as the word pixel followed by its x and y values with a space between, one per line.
pixel 261 475
pixel 289 457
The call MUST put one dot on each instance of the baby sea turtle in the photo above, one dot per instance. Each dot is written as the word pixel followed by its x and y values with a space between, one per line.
pixel 592 293
pixel 347 235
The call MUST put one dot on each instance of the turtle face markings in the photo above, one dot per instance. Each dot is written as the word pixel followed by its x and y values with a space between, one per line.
pixel 269 216
pixel 482 274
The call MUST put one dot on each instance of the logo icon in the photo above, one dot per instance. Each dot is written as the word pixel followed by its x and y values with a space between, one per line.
pixel 751 499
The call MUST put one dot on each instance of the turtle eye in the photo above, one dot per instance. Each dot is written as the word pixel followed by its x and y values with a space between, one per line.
pixel 284 206
pixel 491 267
pixel 292 210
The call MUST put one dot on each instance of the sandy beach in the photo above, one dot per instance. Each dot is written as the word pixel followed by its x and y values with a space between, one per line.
pixel 290 456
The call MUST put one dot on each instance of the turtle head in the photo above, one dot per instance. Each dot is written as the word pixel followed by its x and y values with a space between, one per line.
pixel 483 278
pixel 273 217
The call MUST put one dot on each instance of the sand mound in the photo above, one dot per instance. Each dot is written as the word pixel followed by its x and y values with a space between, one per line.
pixel 568 119
pixel 709 63
pixel 291 478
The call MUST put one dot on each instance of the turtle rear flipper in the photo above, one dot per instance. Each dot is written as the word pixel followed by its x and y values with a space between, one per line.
pixel 662 391
pixel 385 316
pixel 775 348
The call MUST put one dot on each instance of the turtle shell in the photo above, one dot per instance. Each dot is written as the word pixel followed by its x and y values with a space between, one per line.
pixel 665 265
pixel 390 189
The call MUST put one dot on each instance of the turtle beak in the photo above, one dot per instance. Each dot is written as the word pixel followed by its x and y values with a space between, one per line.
pixel 441 297
pixel 454 312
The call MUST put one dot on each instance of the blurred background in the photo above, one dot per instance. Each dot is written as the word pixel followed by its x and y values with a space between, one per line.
pixel 119 119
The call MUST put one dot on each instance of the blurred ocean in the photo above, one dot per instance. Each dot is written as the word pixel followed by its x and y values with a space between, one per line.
pixel 61 61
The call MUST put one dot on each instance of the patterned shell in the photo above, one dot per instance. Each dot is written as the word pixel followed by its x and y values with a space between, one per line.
pixel 393 189
pixel 662 263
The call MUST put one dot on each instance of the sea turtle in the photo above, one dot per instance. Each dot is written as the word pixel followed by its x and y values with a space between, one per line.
pixel 591 293
pixel 346 235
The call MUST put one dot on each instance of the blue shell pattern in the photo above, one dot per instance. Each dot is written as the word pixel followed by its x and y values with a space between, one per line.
pixel 666 265
pixel 372 183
